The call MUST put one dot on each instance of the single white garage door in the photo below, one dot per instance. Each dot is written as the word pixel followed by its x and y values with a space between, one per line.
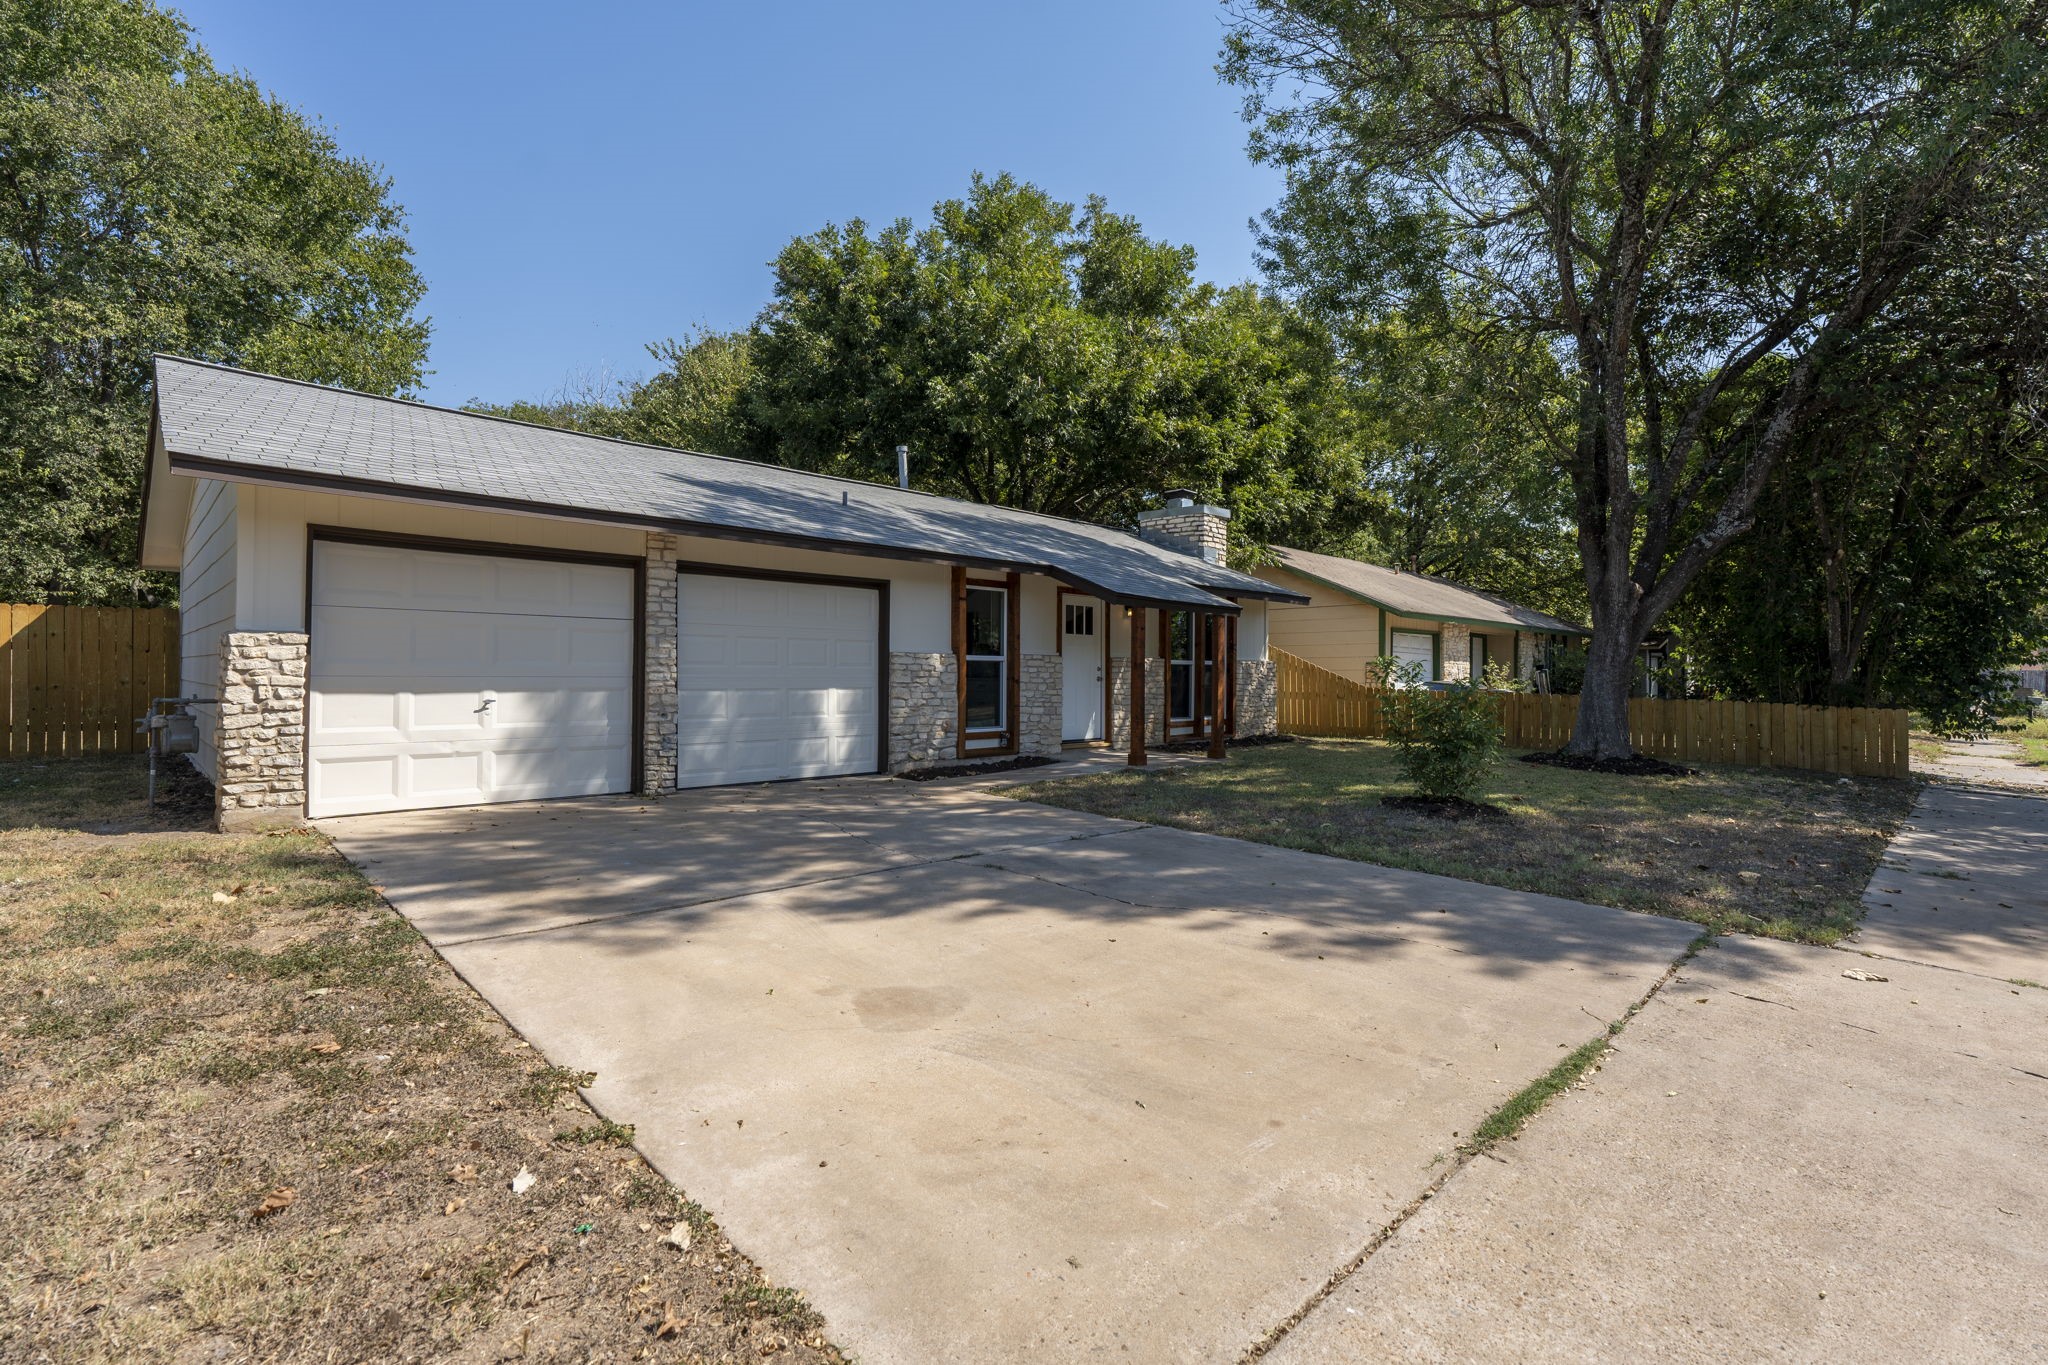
pixel 775 679
pixel 1413 647
pixel 440 679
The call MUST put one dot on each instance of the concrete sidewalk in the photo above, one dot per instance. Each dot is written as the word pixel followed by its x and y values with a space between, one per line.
pixel 1776 1161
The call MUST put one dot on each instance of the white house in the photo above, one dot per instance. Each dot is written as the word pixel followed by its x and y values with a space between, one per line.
pixel 398 606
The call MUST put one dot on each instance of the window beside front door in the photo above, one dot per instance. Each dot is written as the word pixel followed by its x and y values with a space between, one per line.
pixel 988 652
pixel 1183 675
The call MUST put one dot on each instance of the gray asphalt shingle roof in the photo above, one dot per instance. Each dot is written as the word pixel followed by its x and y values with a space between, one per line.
pixel 222 422
pixel 1416 594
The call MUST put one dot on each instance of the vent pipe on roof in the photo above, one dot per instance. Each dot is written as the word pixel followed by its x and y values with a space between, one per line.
pixel 903 466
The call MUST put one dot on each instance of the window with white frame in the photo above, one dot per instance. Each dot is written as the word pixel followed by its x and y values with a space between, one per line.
pixel 988 655
pixel 1080 619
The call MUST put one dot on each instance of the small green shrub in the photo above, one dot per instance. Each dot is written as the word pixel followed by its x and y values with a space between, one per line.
pixel 1449 739
pixel 1568 670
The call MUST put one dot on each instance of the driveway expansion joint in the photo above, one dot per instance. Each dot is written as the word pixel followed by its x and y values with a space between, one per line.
pixel 1465 1157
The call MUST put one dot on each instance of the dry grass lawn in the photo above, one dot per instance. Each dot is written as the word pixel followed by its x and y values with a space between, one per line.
pixel 1761 851
pixel 195 1028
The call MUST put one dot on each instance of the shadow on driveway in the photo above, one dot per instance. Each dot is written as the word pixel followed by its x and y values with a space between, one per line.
pixel 999 1082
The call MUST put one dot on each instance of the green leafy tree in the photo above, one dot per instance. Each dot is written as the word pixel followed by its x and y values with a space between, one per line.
pixel 1696 203
pixel 151 203
pixel 1050 359
pixel 1460 432
pixel 698 399
pixel 1901 554
pixel 1900 549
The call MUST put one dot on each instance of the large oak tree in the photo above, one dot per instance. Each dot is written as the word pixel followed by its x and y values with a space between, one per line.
pixel 1699 202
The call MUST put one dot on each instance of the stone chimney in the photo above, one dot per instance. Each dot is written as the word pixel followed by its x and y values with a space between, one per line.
pixel 1188 526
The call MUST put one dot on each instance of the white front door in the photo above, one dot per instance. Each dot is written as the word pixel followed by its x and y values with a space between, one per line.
pixel 1414 647
pixel 1083 623
pixel 449 679
pixel 776 679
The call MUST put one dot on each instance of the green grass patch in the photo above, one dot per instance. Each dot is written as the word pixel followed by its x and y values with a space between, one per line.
pixel 603 1133
pixel 1506 1121
pixel 547 1086
pixel 785 1306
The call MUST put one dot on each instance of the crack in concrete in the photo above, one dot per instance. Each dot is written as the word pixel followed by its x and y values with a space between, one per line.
pixel 1466 1156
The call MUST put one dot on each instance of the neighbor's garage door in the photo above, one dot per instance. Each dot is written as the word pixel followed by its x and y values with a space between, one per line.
pixel 775 679
pixel 1413 647
pixel 443 679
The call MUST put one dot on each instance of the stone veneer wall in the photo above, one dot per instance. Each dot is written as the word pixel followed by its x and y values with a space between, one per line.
pixel 1258 698
pixel 1525 655
pixel 1118 730
pixel 1120 702
pixel 924 699
pixel 1457 651
pixel 1041 691
pixel 1155 701
pixel 658 734
pixel 260 770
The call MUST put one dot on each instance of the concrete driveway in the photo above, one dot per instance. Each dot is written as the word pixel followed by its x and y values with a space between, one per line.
pixel 992 1081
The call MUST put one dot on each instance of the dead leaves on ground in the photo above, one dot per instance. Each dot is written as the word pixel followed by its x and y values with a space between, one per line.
pixel 274 1203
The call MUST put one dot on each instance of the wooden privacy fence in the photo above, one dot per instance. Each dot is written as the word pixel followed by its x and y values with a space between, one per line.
pixel 1853 741
pixel 73 679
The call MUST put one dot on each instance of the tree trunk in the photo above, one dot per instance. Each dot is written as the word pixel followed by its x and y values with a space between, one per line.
pixel 1601 730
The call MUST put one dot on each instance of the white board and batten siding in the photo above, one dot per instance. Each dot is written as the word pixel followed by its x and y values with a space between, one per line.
pixel 207 603
pixel 776 679
pixel 458 679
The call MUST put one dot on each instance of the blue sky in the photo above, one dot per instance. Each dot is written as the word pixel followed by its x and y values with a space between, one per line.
pixel 583 179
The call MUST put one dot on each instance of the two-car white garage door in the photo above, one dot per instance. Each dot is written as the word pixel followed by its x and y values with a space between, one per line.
pixel 451 679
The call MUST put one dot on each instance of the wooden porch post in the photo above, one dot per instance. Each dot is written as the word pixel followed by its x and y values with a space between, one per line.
pixel 1230 671
pixel 1138 661
pixel 1217 698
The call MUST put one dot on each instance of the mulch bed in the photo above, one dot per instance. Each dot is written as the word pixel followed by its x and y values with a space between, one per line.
pixel 1636 765
pixel 1444 807
pixel 1182 746
pixel 183 795
pixel 1008 765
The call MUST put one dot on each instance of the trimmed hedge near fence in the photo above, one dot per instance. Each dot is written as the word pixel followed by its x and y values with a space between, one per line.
pixel 1851 741
pixel 74 679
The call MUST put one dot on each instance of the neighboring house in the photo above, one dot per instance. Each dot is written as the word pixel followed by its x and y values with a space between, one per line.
pixel 1356 613
pixel 2030 683
pixel 398 606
